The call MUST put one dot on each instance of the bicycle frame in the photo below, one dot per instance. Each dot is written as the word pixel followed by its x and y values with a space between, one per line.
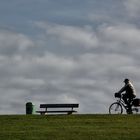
pixel 120 101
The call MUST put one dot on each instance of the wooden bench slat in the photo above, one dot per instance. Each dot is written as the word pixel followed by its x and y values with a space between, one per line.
pixel 59 105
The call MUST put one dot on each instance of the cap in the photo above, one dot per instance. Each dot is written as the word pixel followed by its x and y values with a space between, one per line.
pixel 126 80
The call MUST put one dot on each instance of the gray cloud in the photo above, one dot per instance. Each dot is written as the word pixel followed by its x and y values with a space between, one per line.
pixel 83 78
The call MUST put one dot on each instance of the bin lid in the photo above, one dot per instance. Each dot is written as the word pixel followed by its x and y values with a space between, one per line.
pixel 29 103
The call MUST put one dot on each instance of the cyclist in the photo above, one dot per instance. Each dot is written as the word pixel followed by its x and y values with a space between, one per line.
pixel 130 93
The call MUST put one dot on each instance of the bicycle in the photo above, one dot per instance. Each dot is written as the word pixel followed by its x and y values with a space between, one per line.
pixel 119 106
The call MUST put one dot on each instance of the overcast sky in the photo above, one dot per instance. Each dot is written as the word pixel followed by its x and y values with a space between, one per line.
pixel 67 51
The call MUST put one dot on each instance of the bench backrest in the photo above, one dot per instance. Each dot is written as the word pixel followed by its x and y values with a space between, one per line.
pixel 58 105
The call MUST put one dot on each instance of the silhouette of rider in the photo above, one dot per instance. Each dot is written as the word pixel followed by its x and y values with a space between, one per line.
pixel 130 93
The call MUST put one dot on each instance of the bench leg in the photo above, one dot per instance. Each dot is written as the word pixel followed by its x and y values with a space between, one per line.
pixel 42 113
pixel 69 113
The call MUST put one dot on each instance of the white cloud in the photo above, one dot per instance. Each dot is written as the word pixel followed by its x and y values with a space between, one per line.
pixel 71 35
pixel 133 7
pixel 123 33
pixel 58 63
pixel 12 43
pixel 124 39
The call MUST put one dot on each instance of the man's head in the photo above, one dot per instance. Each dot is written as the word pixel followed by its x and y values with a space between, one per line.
pixel 126 81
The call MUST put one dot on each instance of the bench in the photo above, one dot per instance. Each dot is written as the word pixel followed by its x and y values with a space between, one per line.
pixel 55 106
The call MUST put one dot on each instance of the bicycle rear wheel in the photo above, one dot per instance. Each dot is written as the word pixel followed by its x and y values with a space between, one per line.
pixel 135 110
pixel 115 108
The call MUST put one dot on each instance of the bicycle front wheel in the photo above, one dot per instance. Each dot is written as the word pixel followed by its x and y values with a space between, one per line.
pixel 115 108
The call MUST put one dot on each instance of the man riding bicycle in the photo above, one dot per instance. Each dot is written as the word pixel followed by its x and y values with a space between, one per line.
pixel 130 93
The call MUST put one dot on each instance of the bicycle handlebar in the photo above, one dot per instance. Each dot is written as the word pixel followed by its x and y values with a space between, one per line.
pixel 117 95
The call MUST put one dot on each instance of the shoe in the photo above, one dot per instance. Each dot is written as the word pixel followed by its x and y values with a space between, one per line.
pixel 137 110
pixel 129 111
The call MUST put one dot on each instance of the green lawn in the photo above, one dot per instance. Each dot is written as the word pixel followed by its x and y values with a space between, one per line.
pixel 70 127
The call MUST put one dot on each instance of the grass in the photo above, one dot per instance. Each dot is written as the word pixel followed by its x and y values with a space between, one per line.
pixel 70 127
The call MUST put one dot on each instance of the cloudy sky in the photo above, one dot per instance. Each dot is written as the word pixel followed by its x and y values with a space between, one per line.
pixel 67 51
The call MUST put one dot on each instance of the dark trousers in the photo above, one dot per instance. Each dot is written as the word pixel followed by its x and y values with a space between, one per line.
pixel 128 99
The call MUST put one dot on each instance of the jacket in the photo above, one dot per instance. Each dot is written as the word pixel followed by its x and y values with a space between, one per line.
pixel 129 89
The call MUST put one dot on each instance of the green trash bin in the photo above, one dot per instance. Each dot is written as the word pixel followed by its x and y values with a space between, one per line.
pixel 30 108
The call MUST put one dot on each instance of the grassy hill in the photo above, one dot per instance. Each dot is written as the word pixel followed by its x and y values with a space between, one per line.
pixel 70 127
